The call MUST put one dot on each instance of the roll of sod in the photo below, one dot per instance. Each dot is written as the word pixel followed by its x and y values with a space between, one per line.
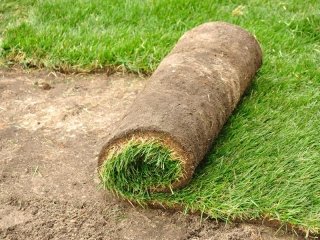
pixel 172 123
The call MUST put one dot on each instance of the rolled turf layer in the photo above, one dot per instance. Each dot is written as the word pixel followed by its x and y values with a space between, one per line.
pixel 174 120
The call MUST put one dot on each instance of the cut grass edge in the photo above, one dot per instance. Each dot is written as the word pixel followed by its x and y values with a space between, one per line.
pixel 69 69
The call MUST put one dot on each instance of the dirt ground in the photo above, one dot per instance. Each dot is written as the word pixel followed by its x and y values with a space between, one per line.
pixel 52 127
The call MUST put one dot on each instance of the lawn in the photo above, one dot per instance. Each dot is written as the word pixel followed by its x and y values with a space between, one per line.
pixel 266 161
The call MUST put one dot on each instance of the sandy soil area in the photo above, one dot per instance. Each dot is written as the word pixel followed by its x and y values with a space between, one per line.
pixel 52 127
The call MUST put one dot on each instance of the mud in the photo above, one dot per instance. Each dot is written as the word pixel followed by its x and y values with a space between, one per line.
pixel 192 93
pixel 52 127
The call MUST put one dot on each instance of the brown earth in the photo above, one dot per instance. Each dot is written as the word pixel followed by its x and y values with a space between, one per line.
pixel 52 127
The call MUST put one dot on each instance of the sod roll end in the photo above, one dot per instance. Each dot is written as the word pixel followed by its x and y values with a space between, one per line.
pixel 174 120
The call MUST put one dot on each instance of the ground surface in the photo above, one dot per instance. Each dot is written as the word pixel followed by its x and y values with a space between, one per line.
pixel 52 127
pixel 272 139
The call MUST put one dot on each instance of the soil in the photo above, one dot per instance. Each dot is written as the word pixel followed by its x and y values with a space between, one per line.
pixel 52 127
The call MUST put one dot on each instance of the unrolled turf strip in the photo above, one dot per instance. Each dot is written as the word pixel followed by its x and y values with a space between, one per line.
pixel 175 119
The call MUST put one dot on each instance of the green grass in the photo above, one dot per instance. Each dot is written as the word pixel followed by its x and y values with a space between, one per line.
pixel 138 168
pixel 266 162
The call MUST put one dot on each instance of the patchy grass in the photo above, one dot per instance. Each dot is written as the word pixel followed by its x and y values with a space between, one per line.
pixel 266 162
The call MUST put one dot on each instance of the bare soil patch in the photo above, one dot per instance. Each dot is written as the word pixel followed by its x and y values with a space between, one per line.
pixel 52 127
